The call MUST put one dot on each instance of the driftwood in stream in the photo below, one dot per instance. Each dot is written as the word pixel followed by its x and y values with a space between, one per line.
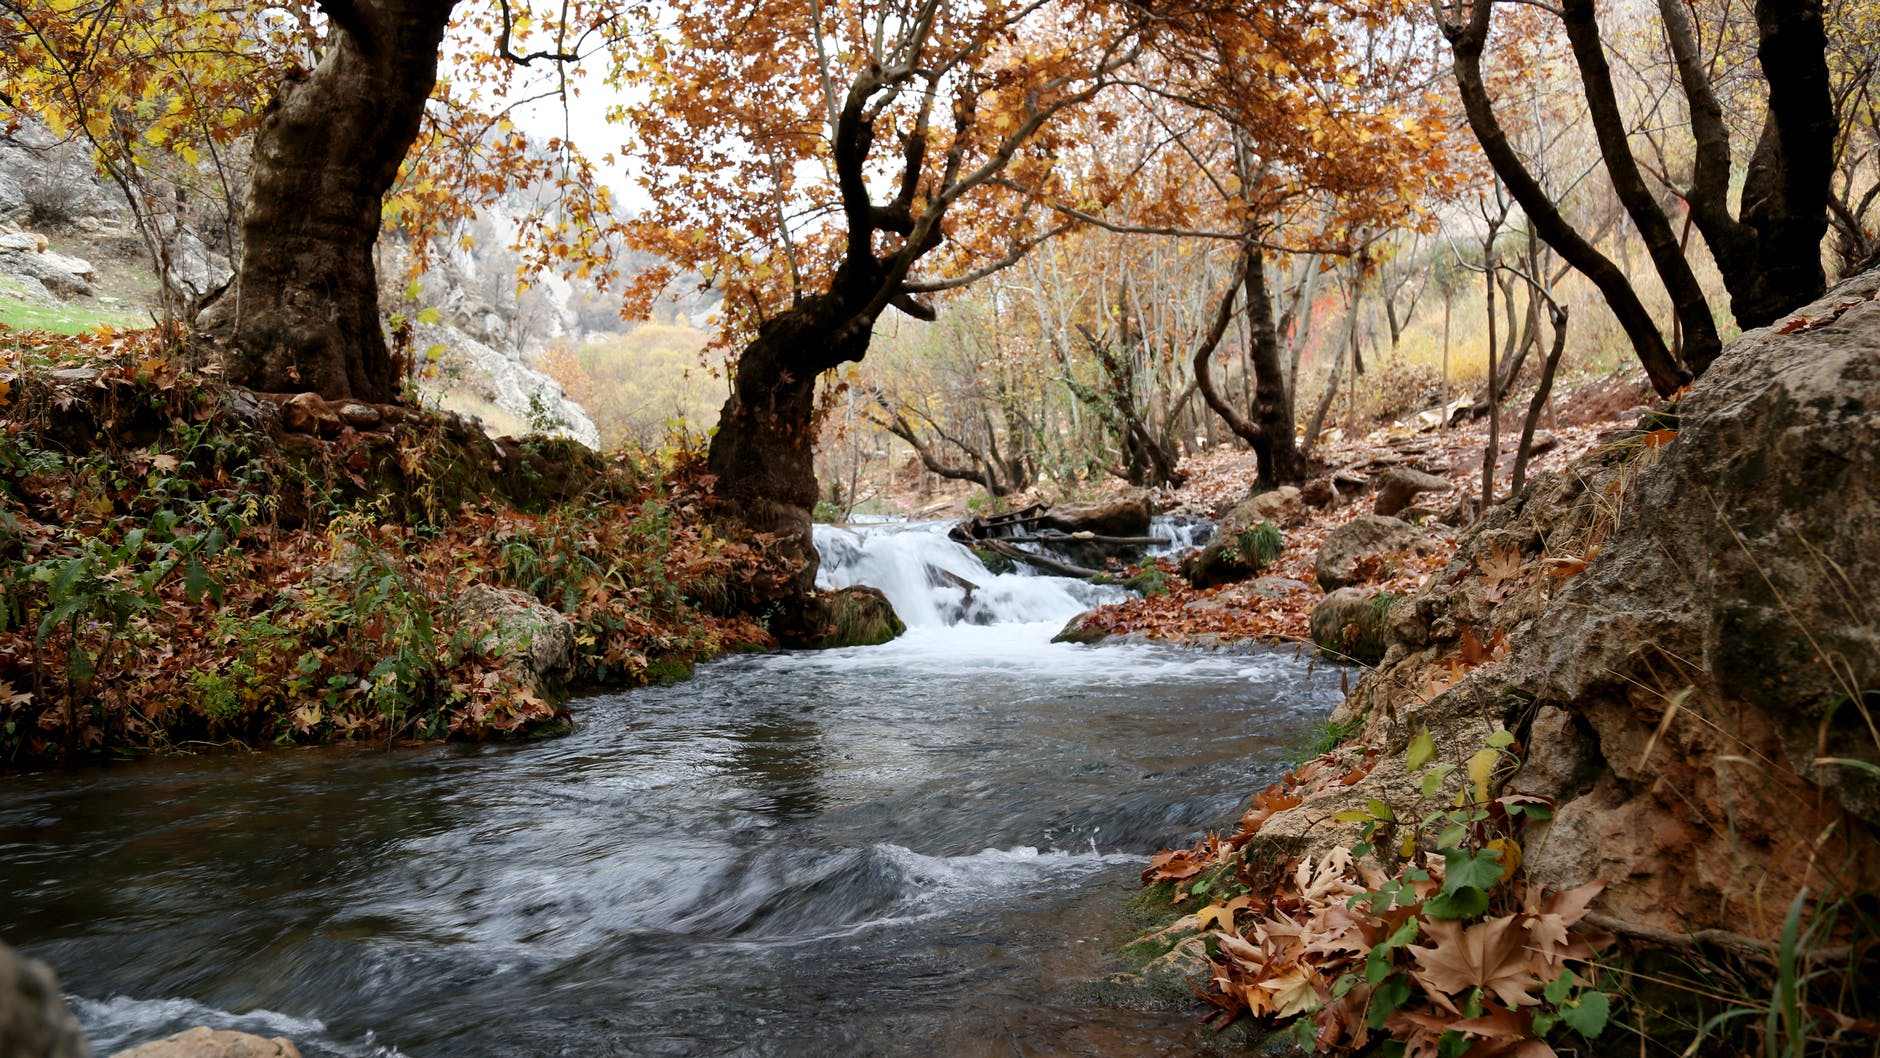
pixel 1044 562
pixel 1088 538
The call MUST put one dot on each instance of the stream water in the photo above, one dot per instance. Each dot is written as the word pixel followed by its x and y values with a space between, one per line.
pixel 913 849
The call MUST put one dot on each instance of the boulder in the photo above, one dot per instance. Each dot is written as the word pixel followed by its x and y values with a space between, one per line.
pixel 361 416
pixel 858 616
pixel 1126 515
pixel 1318 493
pixel 1345 550
pixel 1348 625
pixel 1399 487
pixel 21 255
pixel 535 641
pixel 34 1020
pixel 1235 555
pixel 1082 629
pixel 201 1042
pixel 1283 506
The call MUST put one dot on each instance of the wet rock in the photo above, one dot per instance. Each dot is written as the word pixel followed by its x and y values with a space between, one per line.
pixel 1081 629
pixel 859 616
pixel 1348 549
pixel 34 1020
pixel 202 1042
pixel 1400 486
pixel 535 641
pixel 1348 625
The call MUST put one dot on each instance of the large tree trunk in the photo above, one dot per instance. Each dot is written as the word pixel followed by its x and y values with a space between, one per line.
pixel 303 313
pixel 763 453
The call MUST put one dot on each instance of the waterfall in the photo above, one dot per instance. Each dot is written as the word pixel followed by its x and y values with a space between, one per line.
pixel 933 581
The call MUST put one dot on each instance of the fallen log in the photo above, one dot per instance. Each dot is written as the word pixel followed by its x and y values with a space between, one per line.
pixel 1044 562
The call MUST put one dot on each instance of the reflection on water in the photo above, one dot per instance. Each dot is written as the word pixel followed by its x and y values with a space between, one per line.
pixel 914 849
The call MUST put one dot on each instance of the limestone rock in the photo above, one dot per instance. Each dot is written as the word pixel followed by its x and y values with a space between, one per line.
pixel 500 374
pixel 34 1020
pixel 1237 551
pixel 202 1042
pixel 361 416
pixel 1370 536
pixel 1348 625
pixel 1318 493
pixel 21 254
pixel 1400 486
pixel 536 641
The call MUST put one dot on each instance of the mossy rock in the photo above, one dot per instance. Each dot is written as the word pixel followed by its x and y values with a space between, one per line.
pixel 1348 625
pixel 994 562
pixel 851 617
pixel 668 669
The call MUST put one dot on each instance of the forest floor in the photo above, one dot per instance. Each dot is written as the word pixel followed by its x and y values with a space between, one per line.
pixel 1280 609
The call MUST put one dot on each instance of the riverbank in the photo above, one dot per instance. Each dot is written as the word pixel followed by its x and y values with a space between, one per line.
pixel 191 566
pixel 1612 784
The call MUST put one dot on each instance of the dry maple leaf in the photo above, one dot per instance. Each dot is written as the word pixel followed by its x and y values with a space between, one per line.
pixel 1499 568
pixel 1491 954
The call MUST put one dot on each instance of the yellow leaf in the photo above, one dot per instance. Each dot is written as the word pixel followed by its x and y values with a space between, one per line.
pixel 1481 769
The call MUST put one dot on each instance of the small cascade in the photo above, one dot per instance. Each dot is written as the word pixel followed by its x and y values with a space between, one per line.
pixel 1184 533
pixel 933 581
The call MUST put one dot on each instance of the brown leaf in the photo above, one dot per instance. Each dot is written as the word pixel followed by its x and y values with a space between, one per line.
pixel 1491 954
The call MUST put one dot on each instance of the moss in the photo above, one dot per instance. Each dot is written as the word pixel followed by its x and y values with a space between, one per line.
pixel 669 669
pixel 853 617
pixel 1148 583
pixel 995 562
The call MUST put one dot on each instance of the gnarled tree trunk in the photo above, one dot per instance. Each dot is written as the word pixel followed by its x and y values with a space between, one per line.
pixel 303 313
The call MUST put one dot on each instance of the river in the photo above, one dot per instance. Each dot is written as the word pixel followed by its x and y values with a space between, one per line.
pixel 912 849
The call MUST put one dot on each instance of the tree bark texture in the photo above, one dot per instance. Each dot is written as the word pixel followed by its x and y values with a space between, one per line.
pixel 1269 430
pixel 304 311
pixel 1467 42
pixel 1770 257
pixel 1701 343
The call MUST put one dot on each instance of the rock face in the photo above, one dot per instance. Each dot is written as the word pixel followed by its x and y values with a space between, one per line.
pixel 501 376
pixel 202 1042
pixel 1678 634
pixel 34 1020
pixel 537 641
pixel 1348 624
pixel 1399 487
pixel 1372 536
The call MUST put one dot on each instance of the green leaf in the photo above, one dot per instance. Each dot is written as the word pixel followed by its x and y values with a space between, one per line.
pixel 1501 739
pixel 1433 781
pixel 1384 1002
pixel 429 316
pixel 1464 867
pixel 1588 1017
pixel 1351 815
pixel 1466 902
pixel 1422 748
pixel 1380 810
pixel 1559 989
pixel 195 580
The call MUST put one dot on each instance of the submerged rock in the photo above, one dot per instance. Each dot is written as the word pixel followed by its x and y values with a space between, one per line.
pixel 202 1042
pixel 34 1020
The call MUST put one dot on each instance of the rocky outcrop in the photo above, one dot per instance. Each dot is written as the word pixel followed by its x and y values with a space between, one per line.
pixel 201 1042
pixel 501 376
pixel 1676 631
pixel 535 641
pixel 1284 506
pixel 1364 541
pixel 1348 625
pixel 34 1020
